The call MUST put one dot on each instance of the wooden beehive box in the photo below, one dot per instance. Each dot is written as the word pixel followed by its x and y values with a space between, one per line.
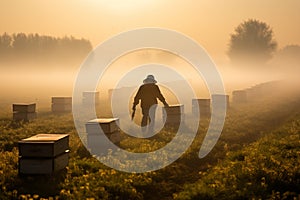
pixel 61 108
pixel 218 98
pixel 24 107
pixel 201 102
pixel 97 139
pixel 89 97
pixel 44 145
pixel 175 109
pixel 108 125
pixel 201 106
pixel 239 96
pixel 29 165
pixel 61 100
pixel 90 94
pixel 97 144
pixel 173 119
pixel 22 116
pixel 115 137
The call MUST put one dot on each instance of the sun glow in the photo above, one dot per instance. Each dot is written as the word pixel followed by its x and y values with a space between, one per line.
pixel 122 5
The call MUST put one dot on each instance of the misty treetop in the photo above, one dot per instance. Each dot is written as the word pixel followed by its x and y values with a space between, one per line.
pixel 42 48
pixel 252 42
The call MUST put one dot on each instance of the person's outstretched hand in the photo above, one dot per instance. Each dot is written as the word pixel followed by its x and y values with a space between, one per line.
pixel 133 112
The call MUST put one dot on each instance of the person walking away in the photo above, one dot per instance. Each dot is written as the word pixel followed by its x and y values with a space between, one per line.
pixel 148 93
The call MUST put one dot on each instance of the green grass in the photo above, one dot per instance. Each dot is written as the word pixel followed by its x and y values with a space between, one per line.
pixel 257 156
pixel 266 169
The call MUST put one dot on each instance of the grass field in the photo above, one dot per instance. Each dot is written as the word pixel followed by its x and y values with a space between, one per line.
pixel 256 157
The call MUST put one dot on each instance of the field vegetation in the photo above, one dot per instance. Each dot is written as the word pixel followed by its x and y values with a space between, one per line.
pixel 256 157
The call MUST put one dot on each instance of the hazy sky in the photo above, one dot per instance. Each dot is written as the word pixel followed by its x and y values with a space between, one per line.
pixel 210 22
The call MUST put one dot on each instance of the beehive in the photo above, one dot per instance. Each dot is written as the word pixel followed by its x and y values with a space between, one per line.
pixel 24 107
pixel 44 145
pixel 239 96
pixel 29 165
pixel 202 106
pixel 218 98
pixel 97 144
pixel 174 115
pixel 17 116
pixel 43 153
pixel 96 139
pixel 251 94
pixel 61 100
pixel 108 125
pixel 90 97
pixel 61 104
pixel 24 111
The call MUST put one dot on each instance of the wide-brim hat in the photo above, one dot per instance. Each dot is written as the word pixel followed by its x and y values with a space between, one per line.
pixel 150 79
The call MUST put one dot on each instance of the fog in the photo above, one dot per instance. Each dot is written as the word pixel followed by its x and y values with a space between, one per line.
pixel 25 82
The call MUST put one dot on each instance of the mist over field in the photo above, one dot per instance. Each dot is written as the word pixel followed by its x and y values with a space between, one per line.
pixel 59 148
pixel 30 82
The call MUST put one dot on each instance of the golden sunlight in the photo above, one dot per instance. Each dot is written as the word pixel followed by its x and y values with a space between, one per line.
pixel 122 5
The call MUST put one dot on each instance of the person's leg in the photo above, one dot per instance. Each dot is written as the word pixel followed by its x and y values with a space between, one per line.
pixel 152 118
pixel 145 118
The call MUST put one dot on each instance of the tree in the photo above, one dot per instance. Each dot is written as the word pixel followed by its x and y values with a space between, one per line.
pixel 288 58
pixel 252 42
pixel 5 41
pixel 5 45
pixel 290 52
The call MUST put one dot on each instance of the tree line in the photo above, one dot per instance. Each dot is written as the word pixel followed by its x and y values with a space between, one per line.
pixel 253 42
pixel 35 47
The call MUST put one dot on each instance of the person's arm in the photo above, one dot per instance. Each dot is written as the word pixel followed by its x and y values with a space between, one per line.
pixel 161 97
pixel 136 99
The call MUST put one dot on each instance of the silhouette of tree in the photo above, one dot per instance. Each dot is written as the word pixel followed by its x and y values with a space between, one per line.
pixel 288 57
pixel 292 51
pixel 20 43
pixel 5 41
pixel 252 42
pixel 5 46
pixel 41 48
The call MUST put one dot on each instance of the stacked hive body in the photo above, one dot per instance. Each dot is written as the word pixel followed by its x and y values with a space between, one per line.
pixel 90 98
pixel 252 93
pixel 174 115
pixel 239 96
pixel 265 90
pixel 201 106
pixel 219 99
pixel 24 112
pixel 43 153
pixel 98 131
pixel 61 104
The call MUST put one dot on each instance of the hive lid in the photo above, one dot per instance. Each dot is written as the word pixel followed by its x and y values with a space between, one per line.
pixel 45 138
pixel 24 104
pixel 103 120
pixel 175 105
pixel 90 91
pixel 61 97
